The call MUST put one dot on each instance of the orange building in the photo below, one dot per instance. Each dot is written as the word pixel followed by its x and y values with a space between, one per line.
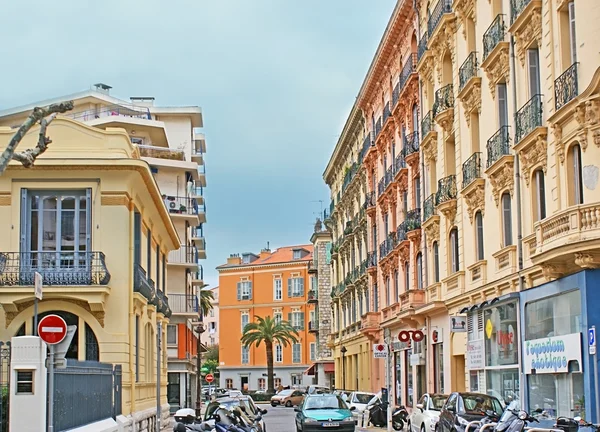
pixel 275 284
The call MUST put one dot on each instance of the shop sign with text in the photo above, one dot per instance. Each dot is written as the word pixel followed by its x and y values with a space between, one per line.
pixel 458 324
pixel 552 354
pixel 475 358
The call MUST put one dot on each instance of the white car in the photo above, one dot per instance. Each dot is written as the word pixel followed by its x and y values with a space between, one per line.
pixel 426 413
pixel 359 400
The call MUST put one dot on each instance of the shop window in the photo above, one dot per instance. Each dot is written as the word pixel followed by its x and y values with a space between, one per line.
pixel 173 387
pixel 438 355
pixel 479 235
pixel 503 384
pixel 507 219
pixel 575 175
pixel 419 271
pixel 229 383
pixel 553 316
pixel 436 262
pixel 557 394
pixel 501 343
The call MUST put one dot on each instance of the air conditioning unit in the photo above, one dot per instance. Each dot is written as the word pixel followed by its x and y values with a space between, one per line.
pixel 245 297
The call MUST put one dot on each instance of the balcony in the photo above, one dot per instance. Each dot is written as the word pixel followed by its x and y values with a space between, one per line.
pixel 162 304
pixel 412 298
pixel 473 185
pixel 161 153
pixel 443 107
pixel 470 86
pixel 413 220
pixel 495 54
pixel 143 285
pixel 409 70
pixel 442 8
pixel 372 260
pixel 198 156
pixel 411 149
pixel 182 206
pixel 445 197
pixel 525 25
pixel 422 48
pixel 313 327
pixel 428 207
pixel 120 110
pixel 500 163
pixel 369 324
pixel 377 128
pixel 197 277
pixel 428 138
pixel 185 255
pixel 312 296
pixel 386 115
pixel 199 142
pixel 531 135
pixel 401 171
pixel 565 87
pixel 471 169
pixel 312 267
pixel 498 146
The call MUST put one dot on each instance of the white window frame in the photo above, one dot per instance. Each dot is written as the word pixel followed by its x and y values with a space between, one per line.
pixel 172 326
pixel 533 65
pixel 577 174
pixel 278 353
pixel 296 353
pixel 277 289
pixel 278 317
pixel 572 32
pixel 507 236
pixel 245 285
pixel 245 355
pixel 296 291
pixel 502 104
pixel 297 254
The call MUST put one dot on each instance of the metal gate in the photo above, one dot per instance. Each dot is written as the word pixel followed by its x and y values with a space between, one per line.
pixel 4 384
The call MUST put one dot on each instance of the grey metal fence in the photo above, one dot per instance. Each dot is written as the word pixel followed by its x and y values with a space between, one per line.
pixel 4 384
pixel 85 393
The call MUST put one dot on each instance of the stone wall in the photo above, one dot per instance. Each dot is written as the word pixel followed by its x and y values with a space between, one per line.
pixel 324 295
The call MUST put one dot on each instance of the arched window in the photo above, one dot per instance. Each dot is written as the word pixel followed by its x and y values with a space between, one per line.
pixel 70 319
pixel 406 276
pixel 396 286
pixel 92 351
pixel 479 235
pixel 419 271
pixel 436 262
pixel 540 194
pixel 454 262
pixel 576 175
pixel 507 219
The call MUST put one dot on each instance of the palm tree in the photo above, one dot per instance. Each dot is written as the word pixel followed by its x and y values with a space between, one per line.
pixel 206 299
pixel 269 331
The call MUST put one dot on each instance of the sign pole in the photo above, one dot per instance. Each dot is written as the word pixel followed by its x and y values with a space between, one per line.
pixel 595 357
pixel 158 410
pixel 38 296
pixel 51 388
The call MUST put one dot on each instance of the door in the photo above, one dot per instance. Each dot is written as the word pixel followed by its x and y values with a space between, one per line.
pixel 447 415
pixel 244 383
pixel 297 397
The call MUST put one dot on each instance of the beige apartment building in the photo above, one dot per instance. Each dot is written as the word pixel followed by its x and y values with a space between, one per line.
pixel 211 336
pixel 169 141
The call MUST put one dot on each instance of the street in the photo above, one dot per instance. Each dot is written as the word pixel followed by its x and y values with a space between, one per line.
pixel 281 419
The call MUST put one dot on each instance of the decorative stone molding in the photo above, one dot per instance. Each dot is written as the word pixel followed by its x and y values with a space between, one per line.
pixel 425 67
pixel 597 138
pixel 465 9
pixel 429 146
pixel 558 142
pixel 527 28
pixel 470 96
pixel 442 41
pixel 432 229
pixel 552 271
pixel 446 120
pixel 533 155
pixel 587 260
pixel 474 196
pixel 497 66
pixel 502 177
pixel 448 209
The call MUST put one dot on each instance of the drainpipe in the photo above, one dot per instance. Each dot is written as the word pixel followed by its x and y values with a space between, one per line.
pixel 132 341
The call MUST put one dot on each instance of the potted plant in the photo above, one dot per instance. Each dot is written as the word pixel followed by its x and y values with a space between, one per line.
pixel 182 208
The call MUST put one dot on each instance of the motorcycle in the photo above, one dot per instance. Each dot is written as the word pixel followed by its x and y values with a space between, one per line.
pixel 513 419
pixel 378 415
pixel 186 421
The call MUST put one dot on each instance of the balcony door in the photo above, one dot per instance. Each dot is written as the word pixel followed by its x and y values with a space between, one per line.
pixel 55 232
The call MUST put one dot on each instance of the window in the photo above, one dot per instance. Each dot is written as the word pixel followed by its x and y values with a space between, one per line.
pixel 277 382
pixel 211 313
pixel 296 353
pixel 577 177
pixel 245 320
pixel 375 298
pixel 149 253
pixel 387 291
pixel 406 276
pixel 277 289
pixel 415 117
pixel 297 254
pixel 137 347
pixel 296 319
pixel 507 219
pixel 245 355
pixel 405 202
pixel 158 281
pixel 418 192
pixel 313 284
pixel 296 287
pixel 137 140
pixel 438 356
pixel 560 394
pixel 171 334
pixel 277 317
pixel 278 354
pixel 573 39
pixel 540 194
pixel 262 384
pixel 436 262
pixel 533 58
pixel 24 382
pixel 396 286
pixel 502 105
pixel 454 264
pixel 313 351
pixel 149 353
pixel 502 347
pixel 479 235
pixel 244 290
pixel 419 271
pixel 229 383
pixel 553 316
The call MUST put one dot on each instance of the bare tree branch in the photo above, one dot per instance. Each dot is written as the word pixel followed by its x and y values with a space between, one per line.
pixel 27 157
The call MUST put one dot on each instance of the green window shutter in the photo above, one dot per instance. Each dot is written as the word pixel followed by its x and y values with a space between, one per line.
pixel 239 291
pixel 250 290
pixel 289 287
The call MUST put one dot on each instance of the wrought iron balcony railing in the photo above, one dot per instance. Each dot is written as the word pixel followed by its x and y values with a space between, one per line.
pixel 516 7
pixel 377 127
pixel 371 259
pixel 411 143
pixel 184 255
pixel 349 176
pixel 427 124
pixel 381 186
pixel 162 304
pixel 183 303
pixel 471 169
pixel 446 189
pixel 349 228
pixel 395 94
pixel 493 35
pixel 409 68
pixel 529 117
pixel 313 326
pixel 389 175
pixel 444 99
pixel 498 145
pixel 422 46
pixel 565 87
pixel 367 142
pixel 399 163
pixel 442 7
pixel 429 207
pixel 386 112
pixel 401 233
pixel 363 268
pixel 56 268
pixel 413 219
pixel 468 70
pixel 181 205
pixel 370 200
pixel 143 284
pixel 331 206
pixel 312 296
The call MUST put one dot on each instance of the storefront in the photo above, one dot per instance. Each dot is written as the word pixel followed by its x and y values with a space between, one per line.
pixel 493 348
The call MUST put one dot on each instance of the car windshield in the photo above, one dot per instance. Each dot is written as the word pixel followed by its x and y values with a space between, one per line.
pixel 324 402
pixel 362 398
pixel 437 402
pixel 479 404
pixel 285 392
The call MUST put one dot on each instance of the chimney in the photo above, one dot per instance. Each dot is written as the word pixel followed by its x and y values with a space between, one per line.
pixel 102 88
pixel 234 259
pixel 266 252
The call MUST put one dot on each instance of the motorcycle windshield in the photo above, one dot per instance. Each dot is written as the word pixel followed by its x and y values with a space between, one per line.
pixel 515 426
pixel 508 416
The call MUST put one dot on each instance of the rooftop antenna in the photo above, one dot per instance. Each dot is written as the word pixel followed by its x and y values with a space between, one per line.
pixel 268 245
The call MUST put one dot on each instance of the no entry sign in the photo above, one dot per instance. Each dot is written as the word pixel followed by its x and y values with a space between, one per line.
pixel 52 329
pixel 209 378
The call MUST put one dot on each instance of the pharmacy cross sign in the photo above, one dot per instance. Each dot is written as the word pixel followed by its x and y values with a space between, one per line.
pixel 52 329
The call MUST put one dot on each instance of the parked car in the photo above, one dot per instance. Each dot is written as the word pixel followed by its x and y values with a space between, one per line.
pixel 312 389
pixel 321 412
pixel 287 398
pixel 246 404
pixel 426 413
pixel 359 400
pixel 462 408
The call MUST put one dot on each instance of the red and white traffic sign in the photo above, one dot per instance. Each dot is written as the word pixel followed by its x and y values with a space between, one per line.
pixel 52 329
pixel 209 378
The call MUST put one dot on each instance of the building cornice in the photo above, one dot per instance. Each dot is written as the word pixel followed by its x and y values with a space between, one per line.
pixel 340 151
pixel 228 267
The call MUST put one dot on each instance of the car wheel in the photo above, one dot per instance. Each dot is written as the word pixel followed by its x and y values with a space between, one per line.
pixel 288 404
pixel 273 405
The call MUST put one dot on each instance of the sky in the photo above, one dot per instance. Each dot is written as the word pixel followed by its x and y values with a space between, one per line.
pixel 276 80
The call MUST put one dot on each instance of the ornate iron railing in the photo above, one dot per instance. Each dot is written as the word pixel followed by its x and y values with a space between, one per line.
pixel 312 296
pixel 377 127
pixel 349 176
pixel 313 326
pixel 429 207
pixel 498 145
pixel 56 268
pixel 468 70
pixel 386 112
pixel 389 176
pixel 162 304
pixel 471 169
pixel 413 219
pixel 493 35
pixel 401 233
pixel 367 142
pixel 331 206
pixel 529 117
pixel 422 46
pixel 516 7
pixel 395 94
pixel 370 199
pixel 381 186
pixel 446 189
pixel 143 284
pixel 427 124
pixel 372 259
pixel 400 162
pixel 442 7
pixel 363 268
pixel 444 99
pixel 411 143
pixel 409 68
pixel 565 87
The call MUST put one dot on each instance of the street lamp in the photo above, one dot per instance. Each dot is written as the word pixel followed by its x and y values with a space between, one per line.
pixel 343 350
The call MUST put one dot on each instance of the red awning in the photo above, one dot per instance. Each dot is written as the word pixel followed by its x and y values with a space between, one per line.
pixel 329 367
pixel 310 370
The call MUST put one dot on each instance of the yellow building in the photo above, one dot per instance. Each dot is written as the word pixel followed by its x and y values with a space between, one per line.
pixel 89 217
pixel 168 139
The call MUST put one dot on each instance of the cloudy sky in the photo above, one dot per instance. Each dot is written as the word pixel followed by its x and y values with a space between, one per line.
pixel 275 78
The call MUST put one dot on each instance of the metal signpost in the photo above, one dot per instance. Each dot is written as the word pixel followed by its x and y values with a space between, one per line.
pixel 158 407
pixel 52 329
pixel 594 354
pixel 38 296
pixel 209 378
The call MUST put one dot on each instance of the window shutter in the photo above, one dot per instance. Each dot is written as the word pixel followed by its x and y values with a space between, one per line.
pixel 301 325
pixel 289 287
pixel 502 105
pixel 534 72
pixel 301 287
pixel 572 32
pixel 24 225
pixel 88 219
pixel 290 318
pixel 250 290
pixel 239 290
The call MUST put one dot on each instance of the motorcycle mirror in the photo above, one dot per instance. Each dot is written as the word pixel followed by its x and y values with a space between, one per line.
pixel 352 408
pixel 257 418
pixel 264 411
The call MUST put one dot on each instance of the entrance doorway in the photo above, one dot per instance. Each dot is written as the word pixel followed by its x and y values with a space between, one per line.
pixel 458 373
pixel 244 382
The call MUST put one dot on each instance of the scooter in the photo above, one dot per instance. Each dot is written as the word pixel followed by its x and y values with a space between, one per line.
pixel 513 419
pixel 378 415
